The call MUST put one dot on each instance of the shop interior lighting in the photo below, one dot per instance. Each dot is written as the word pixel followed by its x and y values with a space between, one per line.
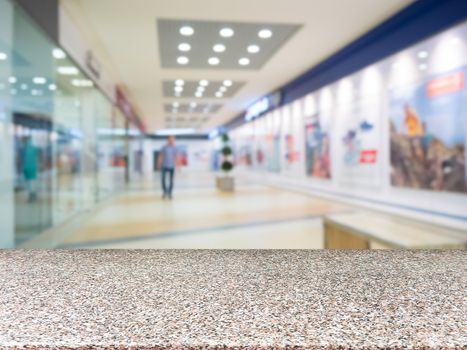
pixel 218 48
pixel 193 104
pixel 39 80
pixel 228 82
pixel 58 54
pixel 12 80
pixel 253 49
pixel 24 86
pixel 265 33
pixel 187 31
pixel 82 83
pixel 68 70
pixel 223 89
pixel 13 91
pixel 204 83
pixel 219 94
pixel 226 32
pixel 422 66
pixel 179 82
pixel 178 89
pixel 175 105
pixel 214 61
pixel 52 87
pixel 182 60
pixel 3 56
pixel 184 47
pixel 244 61
pixel 200 89
pixel 198 94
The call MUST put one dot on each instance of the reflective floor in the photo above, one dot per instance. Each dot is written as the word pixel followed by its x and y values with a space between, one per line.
pixel 199 216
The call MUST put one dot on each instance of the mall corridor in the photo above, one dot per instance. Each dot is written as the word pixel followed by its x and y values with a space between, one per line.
pixel 233 175
pixel 256 216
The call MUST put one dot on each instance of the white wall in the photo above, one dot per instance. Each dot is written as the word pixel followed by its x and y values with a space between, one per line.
pixel 365 96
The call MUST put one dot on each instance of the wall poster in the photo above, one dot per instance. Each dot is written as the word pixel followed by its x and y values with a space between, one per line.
pixel 360 143
pixel 273 153
pixel 428 134
pixel 291 154
pixel 317 141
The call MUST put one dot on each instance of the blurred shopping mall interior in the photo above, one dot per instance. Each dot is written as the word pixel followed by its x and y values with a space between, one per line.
pixel 298 124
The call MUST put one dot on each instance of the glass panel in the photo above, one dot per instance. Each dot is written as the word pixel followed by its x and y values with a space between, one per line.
pixel 6 140
pixel 33 108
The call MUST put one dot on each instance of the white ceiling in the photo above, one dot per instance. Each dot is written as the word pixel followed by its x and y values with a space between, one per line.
pixel 128 32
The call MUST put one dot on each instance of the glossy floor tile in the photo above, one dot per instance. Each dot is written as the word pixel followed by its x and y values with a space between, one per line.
pixel 199 216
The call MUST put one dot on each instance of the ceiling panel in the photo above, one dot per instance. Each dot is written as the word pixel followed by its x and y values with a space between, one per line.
pixel 205 88
pixel 247 46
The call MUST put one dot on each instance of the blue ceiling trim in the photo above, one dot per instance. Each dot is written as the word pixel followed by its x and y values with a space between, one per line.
pixel 415 23
pixel 418 21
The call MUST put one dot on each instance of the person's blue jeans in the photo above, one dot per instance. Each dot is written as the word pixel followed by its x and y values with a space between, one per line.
pixel 167 188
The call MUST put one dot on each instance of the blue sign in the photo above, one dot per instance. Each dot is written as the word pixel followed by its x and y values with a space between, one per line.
pixel 264 105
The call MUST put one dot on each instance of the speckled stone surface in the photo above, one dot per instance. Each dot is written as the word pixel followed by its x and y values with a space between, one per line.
pixel 233 299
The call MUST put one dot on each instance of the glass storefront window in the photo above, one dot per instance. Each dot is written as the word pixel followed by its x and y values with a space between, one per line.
pixel 59 154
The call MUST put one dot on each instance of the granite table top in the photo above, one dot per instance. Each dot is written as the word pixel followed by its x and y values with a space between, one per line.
pixel 218 299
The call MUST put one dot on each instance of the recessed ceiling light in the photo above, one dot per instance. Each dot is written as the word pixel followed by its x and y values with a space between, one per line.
pixel 219 94
pixel 12 80
pixel 52 87
pixel 39 80
pixel 67 70
pixel 244 61
pixel 422 54
pixel 179 82
pixel 218 48
pixel 178 89
pixel 3 56
pixel 58 54
pixel 204 83
pixel 199 94
pixel 226 32
pixel 187 31
pixel 184 47
pixel 214 61
pixel 253 49
pixel 265 34
pixel 228 82
pixel 182 60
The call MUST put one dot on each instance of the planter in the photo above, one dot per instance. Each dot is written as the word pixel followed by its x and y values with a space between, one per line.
pixel 225 184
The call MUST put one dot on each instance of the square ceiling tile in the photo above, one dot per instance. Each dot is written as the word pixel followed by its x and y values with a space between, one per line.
pixel 203 46
pixel 200 88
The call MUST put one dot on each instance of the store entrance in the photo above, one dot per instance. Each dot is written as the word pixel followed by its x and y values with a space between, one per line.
pixel 33 175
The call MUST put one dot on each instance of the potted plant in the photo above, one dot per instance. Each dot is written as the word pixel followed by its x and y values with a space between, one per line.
pixel 226 183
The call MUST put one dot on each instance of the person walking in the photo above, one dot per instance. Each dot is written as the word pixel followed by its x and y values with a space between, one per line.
pixel 168 163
